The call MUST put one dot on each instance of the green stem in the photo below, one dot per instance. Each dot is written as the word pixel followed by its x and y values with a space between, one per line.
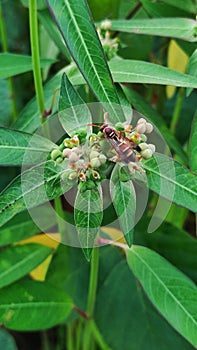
pixel 177 110
pixel 33 22
pixel 70 344
pixel 88 336
pixel 98 337
pixel 4 43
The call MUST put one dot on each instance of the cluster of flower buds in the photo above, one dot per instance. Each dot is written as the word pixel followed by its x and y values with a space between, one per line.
pixel 110 45
pixel 137 135
pixel 86 158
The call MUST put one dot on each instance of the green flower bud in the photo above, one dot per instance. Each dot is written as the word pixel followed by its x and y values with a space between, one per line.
pixel 95 163
pixel 56 153
pixel 94 154
pixel 100 134
pixel 147 153
pixel 102 158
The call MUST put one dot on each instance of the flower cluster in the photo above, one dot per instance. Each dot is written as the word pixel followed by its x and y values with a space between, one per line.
pixel 86 158
pixel 110 45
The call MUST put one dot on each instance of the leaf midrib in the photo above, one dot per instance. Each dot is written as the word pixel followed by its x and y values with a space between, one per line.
pixel 164 286
pixel 18 264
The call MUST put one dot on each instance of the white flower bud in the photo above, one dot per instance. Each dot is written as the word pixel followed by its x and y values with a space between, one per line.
pixel 94 154
pixel 102 158
pixel 95 163
pixel 149 128
pixel 143 146
pixel 141 121
pixel 147 153
pixel 151 147
pixel 73 157
pixel 66 152
pixel 106 24
pixel 141 128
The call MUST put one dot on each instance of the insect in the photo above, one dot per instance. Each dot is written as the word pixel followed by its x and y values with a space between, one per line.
pixel 123 147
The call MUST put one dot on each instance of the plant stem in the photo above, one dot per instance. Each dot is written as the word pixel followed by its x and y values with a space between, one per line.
pixel 33 22
pixel 4 43
pixel 91 297
pixel 70 337
pixel 177 110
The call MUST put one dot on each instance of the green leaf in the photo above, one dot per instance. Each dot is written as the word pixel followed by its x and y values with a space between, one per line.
pixel 188 6
pixel 18 261
pixel 14 144
pixel 29 118
pixel 172 181
pixel 172 243
pixel 22 226
pixel 88 217
pixel 193 145
pixel 73 112
pixel 53 31
pixel 31 306
pixel 182 28
pixel 34 186
pixel 124 201
pixel 12 64
pixel 5 106
pixel 133 71
pixel 122 301
pixel 174 295
pixel 153 116
pixel 75 23
pixel 192 69
pixel 75 273
pixel 7 342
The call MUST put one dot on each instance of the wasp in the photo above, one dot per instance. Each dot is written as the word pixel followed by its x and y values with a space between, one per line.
pixel 123 147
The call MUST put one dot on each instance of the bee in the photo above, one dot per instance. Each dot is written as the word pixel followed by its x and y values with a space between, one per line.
pixel 123 147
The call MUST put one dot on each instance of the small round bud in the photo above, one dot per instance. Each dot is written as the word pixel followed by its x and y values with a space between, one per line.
pixel 102 158
pixel 58 160
pixel 147 153
pixel 141 128
pixel 100 134
pixel 66 152
pixel 149 128
pixel 94 154
pixel 56 153
pixel 143 138
pixel 106 24
pixel 95 163
pixel 143 146
pixel 151 147
pixel 141 121
pixel 73 157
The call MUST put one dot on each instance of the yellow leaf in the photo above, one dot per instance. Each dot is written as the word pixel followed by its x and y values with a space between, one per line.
pixel 115 234
pixel 177 60
pixel 51 240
